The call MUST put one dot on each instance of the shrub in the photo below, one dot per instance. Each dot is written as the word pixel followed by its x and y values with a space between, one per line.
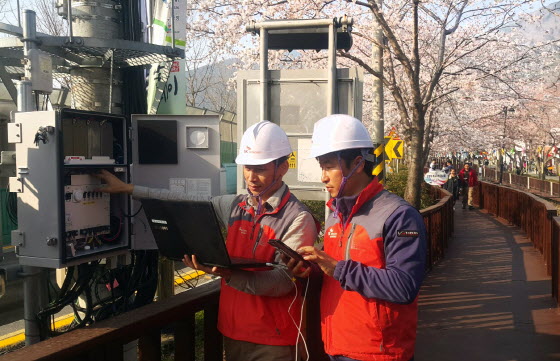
pixel 396 183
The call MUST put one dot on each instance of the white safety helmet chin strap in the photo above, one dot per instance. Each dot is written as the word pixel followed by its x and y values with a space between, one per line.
pixel 345 179
pixel 258 197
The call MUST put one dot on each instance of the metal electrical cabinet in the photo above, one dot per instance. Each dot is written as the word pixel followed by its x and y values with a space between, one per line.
pixel 176 152
pixel 63 218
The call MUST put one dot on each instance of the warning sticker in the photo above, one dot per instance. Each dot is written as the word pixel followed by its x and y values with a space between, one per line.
pixel 292 160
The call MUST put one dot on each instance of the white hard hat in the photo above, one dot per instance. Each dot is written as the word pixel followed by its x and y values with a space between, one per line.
pixel 338 132
pixel 262 143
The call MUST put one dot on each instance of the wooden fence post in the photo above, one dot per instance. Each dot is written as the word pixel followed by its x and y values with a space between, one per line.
pixel 149 346
pixel 184 339
pixel 213 340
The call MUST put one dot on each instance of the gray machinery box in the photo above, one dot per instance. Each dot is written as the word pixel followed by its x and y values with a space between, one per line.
pixel 176 152
pixel 63 218
pixel 296 100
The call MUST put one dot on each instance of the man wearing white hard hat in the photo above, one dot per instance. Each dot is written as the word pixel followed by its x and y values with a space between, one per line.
pixel 374 251
pixel 258 309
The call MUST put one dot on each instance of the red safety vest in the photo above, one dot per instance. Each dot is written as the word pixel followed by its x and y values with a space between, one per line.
pixel 246 317
pixel 354 326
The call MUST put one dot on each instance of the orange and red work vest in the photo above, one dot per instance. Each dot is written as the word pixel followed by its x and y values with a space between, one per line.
pixel 259 319
pixel 362 328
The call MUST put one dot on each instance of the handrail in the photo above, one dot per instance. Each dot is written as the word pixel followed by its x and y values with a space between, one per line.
pixel 439 222
pixel 543 187
pixel 534 215
pixel 105 339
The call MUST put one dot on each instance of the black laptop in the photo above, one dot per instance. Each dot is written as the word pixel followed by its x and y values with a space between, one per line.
pixel 191 227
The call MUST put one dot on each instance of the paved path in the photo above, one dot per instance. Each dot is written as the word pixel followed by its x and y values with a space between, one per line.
pixel 489 299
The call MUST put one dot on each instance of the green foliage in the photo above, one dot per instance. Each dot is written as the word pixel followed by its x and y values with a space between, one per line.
pixel 317 209
pixel 168 342
pixel 396 183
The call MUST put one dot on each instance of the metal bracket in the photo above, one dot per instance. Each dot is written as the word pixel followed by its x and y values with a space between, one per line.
pixel 18 238
pixel 16 185
pixel 14 132
pixel 7 164
pixel 7 157
pixel 7 170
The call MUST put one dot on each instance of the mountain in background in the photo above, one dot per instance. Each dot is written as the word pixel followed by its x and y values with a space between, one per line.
pixel 545 30
pixel 209 86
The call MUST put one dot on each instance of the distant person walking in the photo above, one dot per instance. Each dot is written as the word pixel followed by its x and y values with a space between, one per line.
pixel 433 165
pixel 453 185
pixel 469 180
pixel 448 167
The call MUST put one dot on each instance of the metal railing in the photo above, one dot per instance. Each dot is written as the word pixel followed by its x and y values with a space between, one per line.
pixel 534 215
pixel 105 339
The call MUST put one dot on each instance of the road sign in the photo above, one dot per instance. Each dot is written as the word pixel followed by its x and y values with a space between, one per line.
pixel 394 149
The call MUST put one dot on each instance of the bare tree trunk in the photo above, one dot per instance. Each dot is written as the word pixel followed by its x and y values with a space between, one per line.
pixel 413 190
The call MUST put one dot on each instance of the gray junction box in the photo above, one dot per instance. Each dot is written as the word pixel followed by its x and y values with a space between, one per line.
pixel 63 219
pixel 296 100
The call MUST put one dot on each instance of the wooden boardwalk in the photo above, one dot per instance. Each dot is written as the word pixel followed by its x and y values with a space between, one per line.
pixel 489 298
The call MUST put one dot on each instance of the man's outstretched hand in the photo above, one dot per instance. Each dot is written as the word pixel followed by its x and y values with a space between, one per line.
pixel 113 184
pixel 217 271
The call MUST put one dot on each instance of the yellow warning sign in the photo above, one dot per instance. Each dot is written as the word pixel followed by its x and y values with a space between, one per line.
pixel 292 160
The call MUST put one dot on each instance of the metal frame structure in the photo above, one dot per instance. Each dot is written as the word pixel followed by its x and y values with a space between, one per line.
pixel 297 31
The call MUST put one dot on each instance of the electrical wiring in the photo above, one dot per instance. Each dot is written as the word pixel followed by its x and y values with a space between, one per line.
pixel 69 295
pixel 116 236
pixel 135 214
pixel 85 281
pixel 186 281
pixel 298 325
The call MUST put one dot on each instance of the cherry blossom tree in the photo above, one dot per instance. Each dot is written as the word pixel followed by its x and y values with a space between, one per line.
pixel 435 53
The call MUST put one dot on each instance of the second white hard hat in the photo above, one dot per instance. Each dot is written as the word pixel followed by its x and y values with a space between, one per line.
pixel 262 143
pixel 338 132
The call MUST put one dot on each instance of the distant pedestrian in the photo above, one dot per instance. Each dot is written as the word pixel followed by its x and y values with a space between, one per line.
pixel 448 167
pixel 469 180
pixel 433 165
pixel 453 185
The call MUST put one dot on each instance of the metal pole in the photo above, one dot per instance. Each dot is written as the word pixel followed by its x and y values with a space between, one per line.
pixel 377 110
pixel 264 73
pixel 25 96
pixel 150 19
pixel 111 81
pixel 29 31
pixel 377 101
pixel 18 14
pixel 34 290
pixel 70 32
pixel 501 155
pixel 173 24
pixel 331 92
pixel 331 89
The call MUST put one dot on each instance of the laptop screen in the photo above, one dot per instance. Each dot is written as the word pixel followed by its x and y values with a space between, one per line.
pixel 187 227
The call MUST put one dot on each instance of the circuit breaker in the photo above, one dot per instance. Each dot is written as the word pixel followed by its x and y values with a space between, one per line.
pixel 63 217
